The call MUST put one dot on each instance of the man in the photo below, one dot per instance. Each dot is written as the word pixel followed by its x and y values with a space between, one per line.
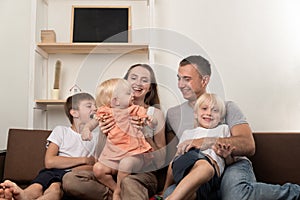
pixel 238 181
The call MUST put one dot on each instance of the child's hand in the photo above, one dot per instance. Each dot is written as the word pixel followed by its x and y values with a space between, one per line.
pixel 151 122
pixel 222 149
pixel 90 160
pixel 86 134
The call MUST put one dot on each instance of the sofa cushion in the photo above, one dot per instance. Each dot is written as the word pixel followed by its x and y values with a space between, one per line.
pixel 276 159
pixel 25 154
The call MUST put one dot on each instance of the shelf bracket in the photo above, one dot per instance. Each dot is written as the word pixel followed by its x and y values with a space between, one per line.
pixel 43 53
pixel 40 107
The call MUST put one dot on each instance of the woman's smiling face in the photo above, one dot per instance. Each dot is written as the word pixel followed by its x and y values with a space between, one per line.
pixel 140 81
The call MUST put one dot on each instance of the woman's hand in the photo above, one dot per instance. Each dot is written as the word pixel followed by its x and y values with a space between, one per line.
pixel 137 122
pixel 106 123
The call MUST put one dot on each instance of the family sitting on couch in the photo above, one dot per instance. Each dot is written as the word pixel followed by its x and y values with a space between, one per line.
pixel 69 160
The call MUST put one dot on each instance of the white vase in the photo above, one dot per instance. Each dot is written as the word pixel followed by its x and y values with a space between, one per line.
pixel 55 94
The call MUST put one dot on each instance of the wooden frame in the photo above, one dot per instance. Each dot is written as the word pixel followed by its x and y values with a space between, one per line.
pixel 96 24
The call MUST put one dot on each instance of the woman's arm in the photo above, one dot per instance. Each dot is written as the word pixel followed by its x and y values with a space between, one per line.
pixel 158 141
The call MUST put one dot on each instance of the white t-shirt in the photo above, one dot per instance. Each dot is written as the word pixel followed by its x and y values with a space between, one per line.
pixel 199 132
pixel 70 143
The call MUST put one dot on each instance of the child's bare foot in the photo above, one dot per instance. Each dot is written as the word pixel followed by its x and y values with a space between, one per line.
pixel 11 191
pixel 5 192
pixel 2 192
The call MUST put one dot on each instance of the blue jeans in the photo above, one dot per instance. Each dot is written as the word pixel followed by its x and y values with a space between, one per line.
pixel 239 183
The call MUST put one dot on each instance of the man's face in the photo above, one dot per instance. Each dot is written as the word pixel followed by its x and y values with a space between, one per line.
pixel 190 82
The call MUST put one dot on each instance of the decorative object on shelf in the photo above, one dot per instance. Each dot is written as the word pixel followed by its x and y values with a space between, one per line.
pixel 75 89
pixel 55 90
pixel 48 36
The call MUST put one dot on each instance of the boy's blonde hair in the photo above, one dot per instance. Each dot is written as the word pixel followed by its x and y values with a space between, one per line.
pixel 212 99
pixel 106 90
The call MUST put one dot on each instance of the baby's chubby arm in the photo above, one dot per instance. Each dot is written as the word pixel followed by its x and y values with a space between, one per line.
pixel 86 133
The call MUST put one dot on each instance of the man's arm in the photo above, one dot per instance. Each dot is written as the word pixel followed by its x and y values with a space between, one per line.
pixel 242 139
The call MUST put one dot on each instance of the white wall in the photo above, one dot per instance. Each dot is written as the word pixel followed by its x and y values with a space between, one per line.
pixel 14 51
pixel 254 46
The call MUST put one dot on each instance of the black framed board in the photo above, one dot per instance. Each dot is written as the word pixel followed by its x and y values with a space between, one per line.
pixel 100 24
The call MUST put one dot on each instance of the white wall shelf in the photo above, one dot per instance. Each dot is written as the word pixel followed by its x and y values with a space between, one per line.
pixel 43 103
pixel 50 101
pixel 84 48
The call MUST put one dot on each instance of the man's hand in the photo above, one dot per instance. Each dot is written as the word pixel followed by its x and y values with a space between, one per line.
pixel 186 146
pixel 201 143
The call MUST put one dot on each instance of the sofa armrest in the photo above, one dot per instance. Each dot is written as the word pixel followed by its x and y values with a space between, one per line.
pixel 25 154
pixel 2 162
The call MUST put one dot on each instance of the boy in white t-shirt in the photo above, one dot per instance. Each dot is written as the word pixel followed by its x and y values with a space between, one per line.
pixel 65 151
pixel 209 115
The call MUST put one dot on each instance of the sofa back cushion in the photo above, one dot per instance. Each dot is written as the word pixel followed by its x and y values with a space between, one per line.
pixel 276 159
pixel 25 154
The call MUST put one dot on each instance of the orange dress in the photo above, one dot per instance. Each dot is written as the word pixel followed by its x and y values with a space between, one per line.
pixel 123 140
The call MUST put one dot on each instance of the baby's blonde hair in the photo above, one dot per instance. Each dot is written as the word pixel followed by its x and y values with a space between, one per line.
pixel 106 90
pixel 212 99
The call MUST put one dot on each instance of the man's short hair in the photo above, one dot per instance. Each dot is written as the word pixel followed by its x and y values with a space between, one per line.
pixel 201 64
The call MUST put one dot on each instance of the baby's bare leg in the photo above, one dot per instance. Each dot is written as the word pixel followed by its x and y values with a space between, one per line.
pixel 105 174
pixel 126 167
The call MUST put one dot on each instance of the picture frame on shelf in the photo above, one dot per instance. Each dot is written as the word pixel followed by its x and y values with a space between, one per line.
pixel 95 24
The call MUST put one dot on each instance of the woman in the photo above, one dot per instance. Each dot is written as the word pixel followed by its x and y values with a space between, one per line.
pixel 83 185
